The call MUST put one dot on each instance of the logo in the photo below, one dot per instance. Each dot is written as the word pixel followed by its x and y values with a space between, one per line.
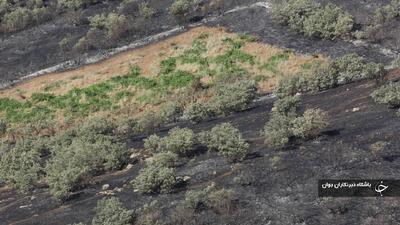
pixel 380 187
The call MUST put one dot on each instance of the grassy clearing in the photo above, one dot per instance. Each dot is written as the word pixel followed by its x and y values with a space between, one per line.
pixel 212 57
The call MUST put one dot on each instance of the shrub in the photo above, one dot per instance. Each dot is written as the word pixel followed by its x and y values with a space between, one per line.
pixel 64 44
pixel 323 77
pixel 278 130
pixel 149 122
pixel 349 67
pixel 146 11
pixel 82 44
pixel 310 124
pixel 233 97
pixel 312 19
pixel 228 141
pixel 219 200
pixel 291 85
pixel 171 111
pixel 153 143
pixel 328 22
pixel 180 141
pixel 113 24
pixel 16 20
pixel 197 112
pixel 155 179
pixel 21 165
pixel 287 106
pixel 388 94
pixel 74 164
pixel 80 153
pixel 164 159
pixel 111 212
pixel 182 7
pixel 396 62
pixel 281 127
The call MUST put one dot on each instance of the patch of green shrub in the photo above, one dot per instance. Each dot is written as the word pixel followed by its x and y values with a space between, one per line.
pixel 233 97
pixel 313 19
pixel 197 112
pixel 278 130
pixel 113 24
pixel 111 212
pixel 146 11
pixel 182 7
pixel 155 179
pixel 310 124
pixel 219 200
pixel 164 159
pixel 16 20
pixel 287 105
pixel 20 165
pixel 281 127
pixel 227 141
pixel 81 153
pixel 179 140
pixel 342 70
pixel 388 94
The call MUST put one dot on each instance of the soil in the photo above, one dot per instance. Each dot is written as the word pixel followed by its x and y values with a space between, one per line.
pixel 280 187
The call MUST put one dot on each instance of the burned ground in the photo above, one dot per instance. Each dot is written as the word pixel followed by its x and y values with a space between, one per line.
pixel 272 187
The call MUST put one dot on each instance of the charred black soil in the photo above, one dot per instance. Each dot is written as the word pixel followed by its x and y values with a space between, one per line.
pixel 272 187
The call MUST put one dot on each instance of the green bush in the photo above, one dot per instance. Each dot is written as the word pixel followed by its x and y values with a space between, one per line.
pixel 164 159
pixel 219 200
pixel 155 179
pixel 73 165
pixel 146 11
pixel 197 112
pixel 313 19
pixel 353 67
pixel 20 165
pixel 388 94
pixel 113 24
pixel 179 140
pixel 16 20
pixel 342 70
pixel 233 97
pixel 328 22
pixel 111 212
pixel 310 124
pixel 396 62
pixel 171 111
pixel 278 130
pixel 228 141
pixel 291 85
pixel 154 144
pixel 281 127
pixel 287 106
pixel 182 7
pixel 80 153
pixel 75 4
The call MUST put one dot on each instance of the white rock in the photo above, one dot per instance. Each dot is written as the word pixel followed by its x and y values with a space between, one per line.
pixel 105 187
